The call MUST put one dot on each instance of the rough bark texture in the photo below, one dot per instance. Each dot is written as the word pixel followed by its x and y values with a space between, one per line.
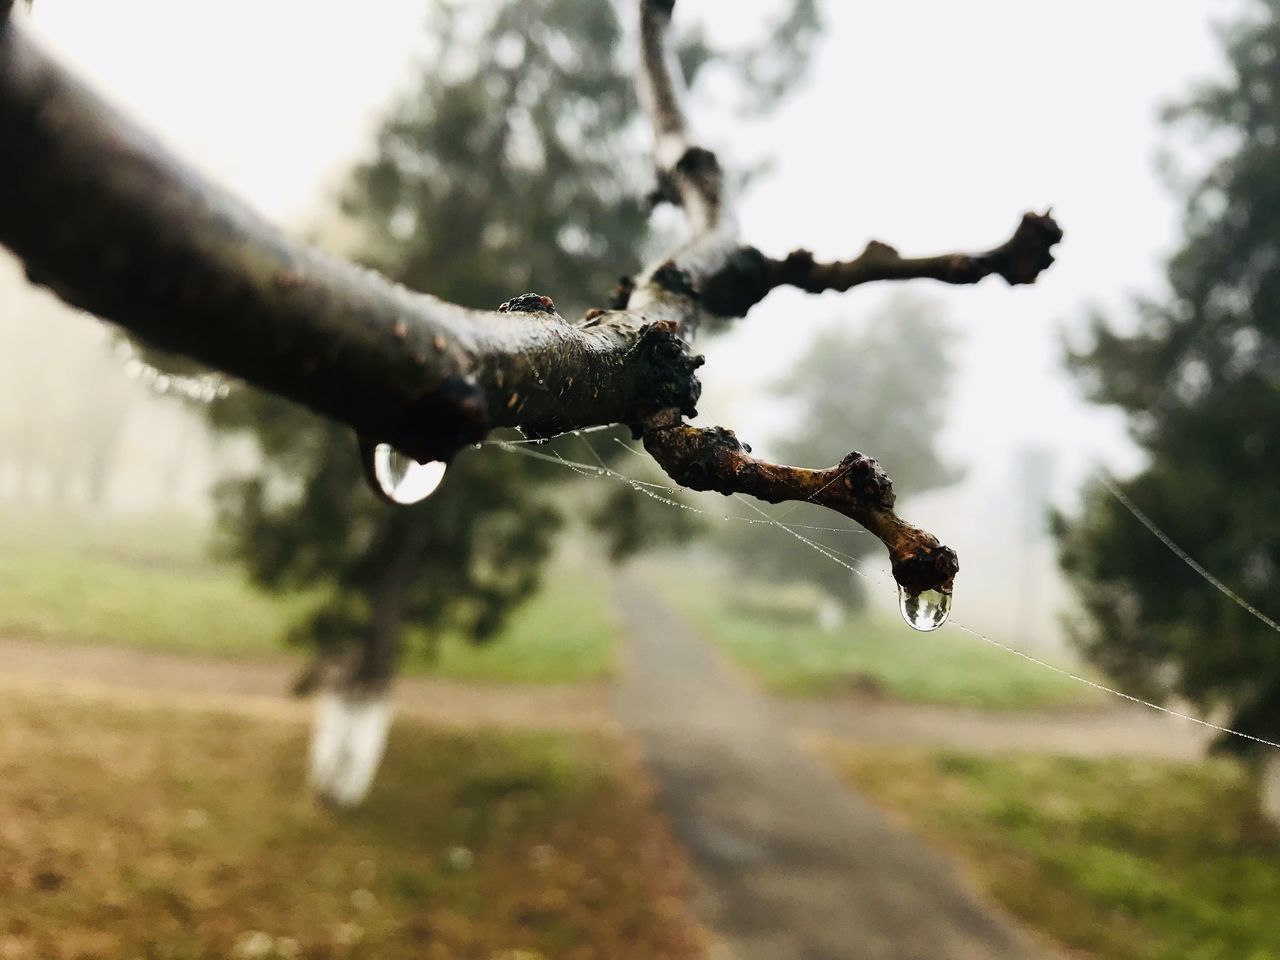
pixel 104 216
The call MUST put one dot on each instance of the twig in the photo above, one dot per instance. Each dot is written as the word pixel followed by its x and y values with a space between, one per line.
pixel 714 459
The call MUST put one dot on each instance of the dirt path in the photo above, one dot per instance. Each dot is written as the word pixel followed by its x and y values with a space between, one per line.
pixel 793 866
pixel 261 685
pixel 1099 733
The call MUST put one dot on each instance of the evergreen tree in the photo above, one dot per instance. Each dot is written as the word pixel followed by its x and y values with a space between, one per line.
pixel 502 172
pixel 1199 379
pixel 514 166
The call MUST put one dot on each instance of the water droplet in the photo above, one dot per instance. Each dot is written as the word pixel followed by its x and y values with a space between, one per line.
pixel 925 611
pixel 600 471
pixel 402 479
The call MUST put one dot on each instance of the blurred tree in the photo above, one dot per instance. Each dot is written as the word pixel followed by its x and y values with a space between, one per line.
pixel 892 380
pixel 506 170
pixel 499 173
pixel 1199 378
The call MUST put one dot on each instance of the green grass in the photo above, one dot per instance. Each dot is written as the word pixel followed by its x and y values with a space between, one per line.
pixel 868 655
pixel 150 582
pixel 566 633
pixel 178 833
pixel 145 583
pixel 1120 859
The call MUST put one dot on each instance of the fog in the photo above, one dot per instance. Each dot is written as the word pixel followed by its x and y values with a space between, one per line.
pixel 928 125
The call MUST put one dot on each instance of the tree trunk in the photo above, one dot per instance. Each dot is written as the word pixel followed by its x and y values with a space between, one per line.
pixel 347 743
pixel 352 721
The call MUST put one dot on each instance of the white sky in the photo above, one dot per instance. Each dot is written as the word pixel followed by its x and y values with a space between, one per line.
pixel 928 124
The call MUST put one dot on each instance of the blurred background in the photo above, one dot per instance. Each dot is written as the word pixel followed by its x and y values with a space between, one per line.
pixel 178 551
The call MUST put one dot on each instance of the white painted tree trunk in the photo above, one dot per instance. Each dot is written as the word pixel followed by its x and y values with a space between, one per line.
pixel 347 741
pixel 1271 787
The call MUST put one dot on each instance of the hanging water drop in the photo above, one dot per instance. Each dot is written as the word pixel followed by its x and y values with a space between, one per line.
pixel 400 478
pixel 925 611
pixel 600 471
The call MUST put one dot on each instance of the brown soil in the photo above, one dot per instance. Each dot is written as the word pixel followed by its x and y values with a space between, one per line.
pixel 260 686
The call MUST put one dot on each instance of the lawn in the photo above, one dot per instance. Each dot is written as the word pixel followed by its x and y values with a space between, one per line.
pixel 1118 859
pixel 567 632
pixel 150 582
pixel 775 638
pixel 144 582
pixel 143 832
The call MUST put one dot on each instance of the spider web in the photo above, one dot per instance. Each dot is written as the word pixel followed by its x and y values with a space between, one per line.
pixel 666 495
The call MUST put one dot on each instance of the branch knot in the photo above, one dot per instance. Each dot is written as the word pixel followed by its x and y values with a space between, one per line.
pixel 666 380
pixel 866 480
pixel 743 281
pixel 529 303
pixel 675 280
pixel 930 565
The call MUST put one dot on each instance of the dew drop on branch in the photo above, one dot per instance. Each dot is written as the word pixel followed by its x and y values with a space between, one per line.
pixel 925 611
pixel 401 479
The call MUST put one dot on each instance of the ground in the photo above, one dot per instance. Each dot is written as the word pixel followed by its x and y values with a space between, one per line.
pixel 152 583
pixel 131 830
pixel 776 637
pixel 1117 859
pixel 163 770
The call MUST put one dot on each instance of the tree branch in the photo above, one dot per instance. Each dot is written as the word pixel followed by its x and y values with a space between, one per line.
pixel 748 275
pixel 727 279
pixel 1020 259
pixel 856 487
pixel 114 224
pixel 692 170
pixel 105 217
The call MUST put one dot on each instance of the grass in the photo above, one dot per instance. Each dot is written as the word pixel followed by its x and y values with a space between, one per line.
pixel 566 633
pixel 149 582
pixel 143 583
pixel 146 832
pixel 868 655
pixel 1118 859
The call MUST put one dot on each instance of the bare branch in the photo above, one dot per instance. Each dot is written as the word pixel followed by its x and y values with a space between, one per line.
pixel 748 276
pixel 693 170
pixel 1020 259
pixel 857 487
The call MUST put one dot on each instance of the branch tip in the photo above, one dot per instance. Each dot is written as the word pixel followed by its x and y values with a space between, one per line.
pixel 716 460
pixel 1019 260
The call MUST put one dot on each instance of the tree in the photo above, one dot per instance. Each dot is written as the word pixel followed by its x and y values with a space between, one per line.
pixel 1198 380
pixel 898 363
pixel 503 175
pixel 170 257
pixel 524 146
